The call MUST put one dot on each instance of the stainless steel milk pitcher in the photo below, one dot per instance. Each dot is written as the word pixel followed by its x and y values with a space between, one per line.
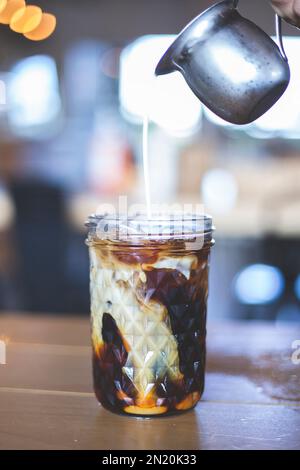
pixel 230 64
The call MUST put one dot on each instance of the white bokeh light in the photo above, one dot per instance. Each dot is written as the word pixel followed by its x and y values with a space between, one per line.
pixel 219 190
pixel 167 99
pixel 33 91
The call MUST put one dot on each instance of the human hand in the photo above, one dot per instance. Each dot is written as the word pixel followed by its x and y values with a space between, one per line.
pixel 288 10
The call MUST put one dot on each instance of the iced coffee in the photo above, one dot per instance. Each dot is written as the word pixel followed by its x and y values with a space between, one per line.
pixel 149 287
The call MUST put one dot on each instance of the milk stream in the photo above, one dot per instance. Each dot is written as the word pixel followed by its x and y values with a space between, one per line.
pixel 146 164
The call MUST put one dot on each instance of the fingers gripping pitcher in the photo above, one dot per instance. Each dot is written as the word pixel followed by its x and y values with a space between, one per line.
pixel 149 287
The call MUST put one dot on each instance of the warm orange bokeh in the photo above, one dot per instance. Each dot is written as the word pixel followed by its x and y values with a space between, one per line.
pixel 11 7
pixel 45 28
pixel 3 4
pixel 26 19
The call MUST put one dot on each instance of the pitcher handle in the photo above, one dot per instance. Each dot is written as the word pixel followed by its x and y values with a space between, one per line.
pixel 278 24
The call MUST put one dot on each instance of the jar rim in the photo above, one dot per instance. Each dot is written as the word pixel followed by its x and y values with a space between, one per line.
pixel 174 226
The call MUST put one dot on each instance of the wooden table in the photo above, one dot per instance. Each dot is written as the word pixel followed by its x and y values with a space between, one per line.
pixel 251 401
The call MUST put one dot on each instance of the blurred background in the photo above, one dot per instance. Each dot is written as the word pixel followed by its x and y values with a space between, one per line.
pixel 71 111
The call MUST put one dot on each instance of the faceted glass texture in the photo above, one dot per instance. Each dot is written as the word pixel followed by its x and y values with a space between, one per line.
pixel 148 314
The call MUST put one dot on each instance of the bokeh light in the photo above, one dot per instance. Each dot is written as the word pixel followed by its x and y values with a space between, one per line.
pixel 297 287
pixel 26 19
pixel 219 190
pixel 167 100
pixel 34 93
pixel 3 4
pixel 44 29
pixel 11 7
pixel 259 284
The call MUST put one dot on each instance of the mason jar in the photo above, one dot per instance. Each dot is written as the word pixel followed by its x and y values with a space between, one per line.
pixel 149 288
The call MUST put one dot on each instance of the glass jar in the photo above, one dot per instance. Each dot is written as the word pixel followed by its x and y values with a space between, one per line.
pixel 149 287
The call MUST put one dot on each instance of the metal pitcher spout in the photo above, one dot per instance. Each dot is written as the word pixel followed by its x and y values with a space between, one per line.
pixel 165 65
